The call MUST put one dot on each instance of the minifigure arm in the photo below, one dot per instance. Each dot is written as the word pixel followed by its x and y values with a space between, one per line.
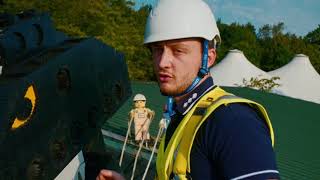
pixel 131 115
pixel 151 114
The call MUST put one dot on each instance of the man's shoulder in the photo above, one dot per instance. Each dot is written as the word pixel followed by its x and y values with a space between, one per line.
pixel 233 110
pixel 237 122
pixel 236 116
pixel 236 140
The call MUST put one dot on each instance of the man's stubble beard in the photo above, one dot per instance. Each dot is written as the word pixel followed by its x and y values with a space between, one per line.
pixel 179 88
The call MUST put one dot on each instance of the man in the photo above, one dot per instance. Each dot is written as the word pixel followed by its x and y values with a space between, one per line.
pixel 212 134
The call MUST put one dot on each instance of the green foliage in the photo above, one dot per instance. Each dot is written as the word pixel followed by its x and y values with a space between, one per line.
pixel 263 84
pixel 279 48
pixel 243 37
pixel 313 37
pixel 116 23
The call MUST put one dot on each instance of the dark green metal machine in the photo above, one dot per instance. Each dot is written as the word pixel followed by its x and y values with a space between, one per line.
pixel 55 94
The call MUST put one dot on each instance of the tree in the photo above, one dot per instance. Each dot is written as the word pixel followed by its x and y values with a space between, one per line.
pixel 275 46
pixel 313 37
pixel 263 84
pixel 265 32
pixel 242 37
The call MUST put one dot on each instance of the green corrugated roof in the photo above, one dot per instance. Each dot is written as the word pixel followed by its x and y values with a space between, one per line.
pixel 296 124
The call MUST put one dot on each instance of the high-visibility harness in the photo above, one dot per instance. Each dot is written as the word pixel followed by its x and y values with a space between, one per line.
pixel 174 162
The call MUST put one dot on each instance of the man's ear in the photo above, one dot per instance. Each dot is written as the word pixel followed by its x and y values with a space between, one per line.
pixel 211 57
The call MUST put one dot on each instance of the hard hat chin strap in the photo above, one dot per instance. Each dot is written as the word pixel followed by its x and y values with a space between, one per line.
pixel 204 66
pixel 202 72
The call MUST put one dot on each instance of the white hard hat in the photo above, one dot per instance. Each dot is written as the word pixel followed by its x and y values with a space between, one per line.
pixel 139 97
pixel 177 19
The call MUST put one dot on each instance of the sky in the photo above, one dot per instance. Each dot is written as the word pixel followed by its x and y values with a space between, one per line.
pixel 299 16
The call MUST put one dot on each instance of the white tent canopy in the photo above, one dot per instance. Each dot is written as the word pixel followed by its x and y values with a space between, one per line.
pixel 234 68
pixel 300 79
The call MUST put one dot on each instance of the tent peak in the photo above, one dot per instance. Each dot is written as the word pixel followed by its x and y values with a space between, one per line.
pixel 235 51
pixel 301 55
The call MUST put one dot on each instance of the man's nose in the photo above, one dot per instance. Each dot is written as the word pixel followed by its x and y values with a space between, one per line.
pixel 166 58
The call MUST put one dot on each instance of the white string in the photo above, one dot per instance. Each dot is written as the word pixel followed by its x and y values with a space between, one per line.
pixel 153 150
pixel 136 159
pixel 125 142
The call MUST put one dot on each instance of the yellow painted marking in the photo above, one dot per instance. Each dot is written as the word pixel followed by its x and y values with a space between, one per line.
pixel 31 95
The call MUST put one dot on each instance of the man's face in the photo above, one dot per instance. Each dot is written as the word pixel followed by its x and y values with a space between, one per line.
pixel 139 104
pixel 176 64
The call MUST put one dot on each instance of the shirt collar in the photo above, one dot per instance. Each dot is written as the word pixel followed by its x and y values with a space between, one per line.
pixel 185 104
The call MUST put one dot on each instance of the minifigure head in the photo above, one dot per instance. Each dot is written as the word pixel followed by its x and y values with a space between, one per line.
pixel 139 101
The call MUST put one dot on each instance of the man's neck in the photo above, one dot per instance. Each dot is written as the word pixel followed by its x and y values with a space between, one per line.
pixel 179 98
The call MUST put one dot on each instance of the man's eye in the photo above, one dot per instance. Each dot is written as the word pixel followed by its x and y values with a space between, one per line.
pixel 178 51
